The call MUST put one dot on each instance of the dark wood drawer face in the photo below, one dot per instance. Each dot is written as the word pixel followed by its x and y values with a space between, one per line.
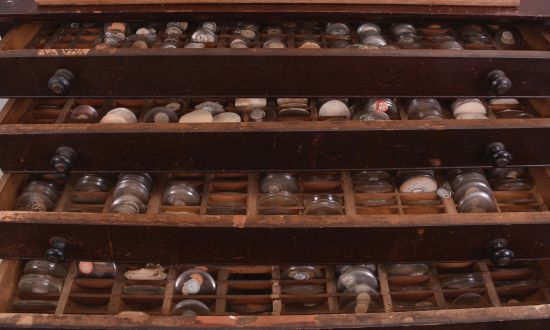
pixel 289 143
pixel 260 296
pixel 409 227
pixel 32 54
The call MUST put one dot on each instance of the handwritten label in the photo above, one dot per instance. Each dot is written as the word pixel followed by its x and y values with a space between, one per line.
pixel 63 52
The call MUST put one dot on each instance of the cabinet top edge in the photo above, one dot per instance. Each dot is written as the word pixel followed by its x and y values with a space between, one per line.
pixel 25 10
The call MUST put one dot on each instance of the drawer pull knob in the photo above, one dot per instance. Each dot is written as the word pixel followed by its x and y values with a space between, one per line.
pixel 63 159
pixel 499 253
pixel 498 154
pixel 58 251
pixel 499 83
pixel 60 83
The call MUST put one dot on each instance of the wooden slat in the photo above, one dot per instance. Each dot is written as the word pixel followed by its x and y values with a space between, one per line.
pixel 330 275
pixel 19 36
pixel 221 303
pixel 115 300
pixel 9 276
pixel 253 194
pixel 349 195
pixel 385 289
pixel 489 285
pixel 169 292
pixel 517 317
pixel 14 111
pixel 66 291
pixel 502 3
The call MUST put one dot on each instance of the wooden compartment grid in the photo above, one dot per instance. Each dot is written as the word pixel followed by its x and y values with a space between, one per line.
pixel 58 111
pixel 257 290
pixel 72 36
pixel 237 193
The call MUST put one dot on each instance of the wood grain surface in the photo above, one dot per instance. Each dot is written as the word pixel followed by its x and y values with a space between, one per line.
pixel 503 3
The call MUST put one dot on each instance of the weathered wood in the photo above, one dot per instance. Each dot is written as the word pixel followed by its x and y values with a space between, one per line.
pixel 498 3
pixel 273 146
pixel 209 71
pixel 9 277
pixel 503 318
pixel 28 10
pixel 275 239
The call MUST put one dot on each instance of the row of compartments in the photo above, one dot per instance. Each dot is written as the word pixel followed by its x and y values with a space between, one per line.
pixel 272 109
pixel 106 288
pixel 309 193
pixel 288 35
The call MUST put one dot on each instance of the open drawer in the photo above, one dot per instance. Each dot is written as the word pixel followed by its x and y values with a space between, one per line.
pixel 32 54
pixel 231 220
pixel 31 131
pixel 263 297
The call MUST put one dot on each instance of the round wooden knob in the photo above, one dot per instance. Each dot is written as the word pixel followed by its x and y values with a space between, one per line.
pixel 58 251
pixel 498 154
pixel 60 83
pixel 499 83
pixel 63 159
pixel 499 254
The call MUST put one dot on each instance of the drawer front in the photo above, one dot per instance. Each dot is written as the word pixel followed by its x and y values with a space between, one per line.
pixel 289 143
pixel 268 241
pixel 261 72
pixel 32 54
pixel 245 148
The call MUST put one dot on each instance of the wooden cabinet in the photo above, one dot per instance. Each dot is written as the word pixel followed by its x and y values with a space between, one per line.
pixel 229 229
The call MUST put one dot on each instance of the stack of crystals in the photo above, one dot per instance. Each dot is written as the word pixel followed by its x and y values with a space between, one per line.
pixel 37 196
pixel 370 35
pixel 405 36
pixel 471 191
pixel 143 37
pixel 358 285
pixel 475 35
pixel 243 35
pixel 193 281
pixel 279 194
pixel 300 282
pixel 416 181
pixel 208 112
pixel 173 34
pixel 205 34
pixel 441 39
pixel 425 109
pixel 255 109
pixel 292 107
pixel 509 179
pixel 131 193
pixel 180 193
pixel 114 35
pixel 41 279
pixel 334 109
pixel 274 38
pixel 469 109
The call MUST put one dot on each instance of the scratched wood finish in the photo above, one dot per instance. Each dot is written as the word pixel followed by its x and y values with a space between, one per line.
pixel 511 318
pixel 98 240
pixel 212 72
pixel 271 146
pixel 483 3
pixel 27 10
